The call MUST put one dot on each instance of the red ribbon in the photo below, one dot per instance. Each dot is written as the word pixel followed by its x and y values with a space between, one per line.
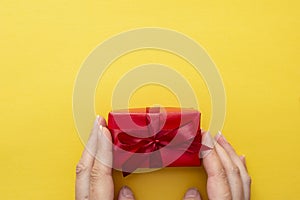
pixel 179 140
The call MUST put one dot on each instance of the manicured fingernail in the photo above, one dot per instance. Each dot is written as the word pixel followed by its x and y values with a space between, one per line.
pixel 96 122
pixel 126 192
pixel 208 140
pixel 207 144
pixel 243 158
pixel 100 133
pixel 223 137
pixel 191 193
pixel 218 136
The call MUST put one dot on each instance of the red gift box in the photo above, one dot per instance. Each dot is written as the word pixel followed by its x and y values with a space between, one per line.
pixel 155 137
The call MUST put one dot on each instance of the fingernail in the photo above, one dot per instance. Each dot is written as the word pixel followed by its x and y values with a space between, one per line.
pixel 96 120
pixel 207 144
pixel 218 136
pixel 221 138
pixel 191 193
pixel 208 140
pixel 100 127
pixel 126 192
pixel 100 132
pixel 243 158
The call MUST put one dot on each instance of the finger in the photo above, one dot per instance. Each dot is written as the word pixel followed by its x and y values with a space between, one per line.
pixel 126 194
pixel 207 144
pixel 192 194
pixel 232 172
pixel 237 161
pixel 217 183
pixel 102 122
pixel 101 182
pixel 85 164
pixel 243 159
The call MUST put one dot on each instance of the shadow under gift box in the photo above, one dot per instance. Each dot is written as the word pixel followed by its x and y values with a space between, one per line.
pixel 155 137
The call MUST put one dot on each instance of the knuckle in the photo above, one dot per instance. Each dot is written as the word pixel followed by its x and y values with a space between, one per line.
pixel 221 174
pixel 248 180
pixel 235 170
pixel 227 195
pixel 96 173
pixel 81 168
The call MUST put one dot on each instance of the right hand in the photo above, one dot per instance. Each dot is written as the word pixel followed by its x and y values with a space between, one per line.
pixel 227 174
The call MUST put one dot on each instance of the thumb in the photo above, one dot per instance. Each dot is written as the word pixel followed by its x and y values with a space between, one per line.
pixel 192 194
pixel 126 194
pixel 101 182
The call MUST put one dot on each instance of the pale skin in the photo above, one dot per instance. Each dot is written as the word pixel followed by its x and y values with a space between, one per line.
pixel 227 174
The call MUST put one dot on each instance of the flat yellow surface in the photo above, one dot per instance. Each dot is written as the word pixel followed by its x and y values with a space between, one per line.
pixel 255 45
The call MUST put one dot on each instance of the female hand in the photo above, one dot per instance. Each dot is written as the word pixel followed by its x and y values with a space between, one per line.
pixel 93 171
pixel 227 174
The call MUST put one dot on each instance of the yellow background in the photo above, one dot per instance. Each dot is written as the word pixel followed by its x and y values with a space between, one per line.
pixel 255 45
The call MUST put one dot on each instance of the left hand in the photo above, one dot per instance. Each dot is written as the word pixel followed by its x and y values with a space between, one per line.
pixel 93 172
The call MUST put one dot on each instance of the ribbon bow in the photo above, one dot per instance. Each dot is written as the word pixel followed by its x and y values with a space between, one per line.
pixel 159 147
